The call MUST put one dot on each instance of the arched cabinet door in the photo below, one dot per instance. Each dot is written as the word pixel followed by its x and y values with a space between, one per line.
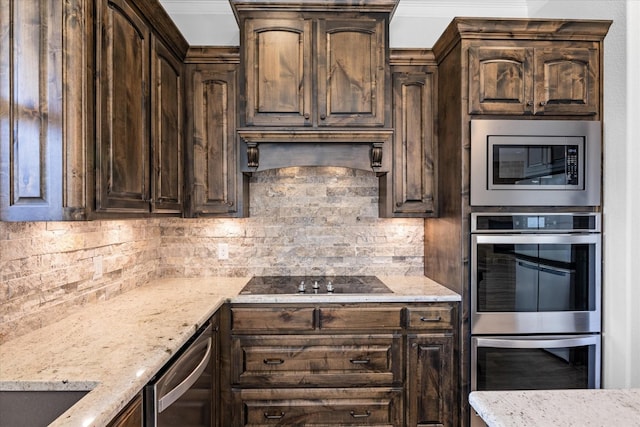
pixel 534 78
pixel 123 113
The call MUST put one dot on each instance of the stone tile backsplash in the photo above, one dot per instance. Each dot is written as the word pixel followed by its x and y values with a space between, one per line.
pixel 303 221
pixel 49 268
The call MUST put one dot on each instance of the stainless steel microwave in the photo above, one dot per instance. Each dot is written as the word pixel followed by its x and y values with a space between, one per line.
pixel 535 163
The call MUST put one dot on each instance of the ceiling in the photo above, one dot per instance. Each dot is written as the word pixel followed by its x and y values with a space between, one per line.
pixel 415 23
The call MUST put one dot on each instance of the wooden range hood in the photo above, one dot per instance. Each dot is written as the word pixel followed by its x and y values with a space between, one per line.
pixel 315 84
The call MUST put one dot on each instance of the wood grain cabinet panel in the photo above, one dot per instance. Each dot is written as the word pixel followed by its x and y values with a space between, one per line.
pixel 272 319
pixel 546 78
pixel 305 67
pixel 351 72
pixel 354 318
pixel 139 114
pixel 211 145
pixel 278 55
pixel 31 109
pixel 166 126
pixel 294 360
pixel 413 181
pixel 379 407
pixel 430 381
pixel 123 115
pixel 359 364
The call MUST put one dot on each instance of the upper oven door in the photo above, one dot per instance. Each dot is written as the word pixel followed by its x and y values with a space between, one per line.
pixel 535 163
pixel 533 283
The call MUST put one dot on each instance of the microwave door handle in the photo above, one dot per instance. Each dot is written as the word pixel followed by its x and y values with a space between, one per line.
pixel 547 342
pixel 168 399
pixel 529 266
pixel 556 271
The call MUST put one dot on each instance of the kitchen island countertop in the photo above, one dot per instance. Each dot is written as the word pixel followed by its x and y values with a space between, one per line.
pixel 114 347
pixel 566 408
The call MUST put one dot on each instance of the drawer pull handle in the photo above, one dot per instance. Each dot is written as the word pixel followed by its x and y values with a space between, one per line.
pixel 365 415
pixel 360 361
pixel 431 319
pixel 269 416
pixel 273 361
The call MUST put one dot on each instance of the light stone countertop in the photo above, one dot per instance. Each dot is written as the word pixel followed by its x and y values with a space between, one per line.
pixel 114 347
pixel 565 408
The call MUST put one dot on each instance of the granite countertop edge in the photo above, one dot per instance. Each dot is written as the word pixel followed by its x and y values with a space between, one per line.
pixel 138 332
pixel 567 408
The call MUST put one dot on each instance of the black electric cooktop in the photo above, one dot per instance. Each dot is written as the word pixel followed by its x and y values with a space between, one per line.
pixel 269 285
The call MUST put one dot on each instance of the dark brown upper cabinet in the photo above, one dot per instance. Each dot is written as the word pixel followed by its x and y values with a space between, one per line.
pixel 410 190
pixel 562 78
pixel 91 102
pixel 138 115
pixel 211 90
pixel 314 64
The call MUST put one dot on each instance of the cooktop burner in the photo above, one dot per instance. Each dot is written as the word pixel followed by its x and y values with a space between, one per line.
pixel 267 285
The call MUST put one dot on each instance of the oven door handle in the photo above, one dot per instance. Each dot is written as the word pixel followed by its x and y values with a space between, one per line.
pixel 168 399
pixel 536 342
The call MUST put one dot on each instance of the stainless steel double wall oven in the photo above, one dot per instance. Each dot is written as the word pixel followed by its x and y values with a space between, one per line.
pixel 535 310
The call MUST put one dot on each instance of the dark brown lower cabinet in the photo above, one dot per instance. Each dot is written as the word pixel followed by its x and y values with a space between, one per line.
pixel 430 384
pixel 382 364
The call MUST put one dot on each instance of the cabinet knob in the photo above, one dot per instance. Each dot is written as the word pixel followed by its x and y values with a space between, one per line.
pixel 306 116
pixel 529 103
pixel 543 103
pixel 323 116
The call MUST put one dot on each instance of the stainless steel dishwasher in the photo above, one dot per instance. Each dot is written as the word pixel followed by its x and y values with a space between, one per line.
pixel 182 393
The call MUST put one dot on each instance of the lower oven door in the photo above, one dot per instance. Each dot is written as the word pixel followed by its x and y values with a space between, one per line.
pixel 535 362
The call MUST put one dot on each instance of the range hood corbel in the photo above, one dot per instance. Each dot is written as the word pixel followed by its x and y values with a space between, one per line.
pixel 366 149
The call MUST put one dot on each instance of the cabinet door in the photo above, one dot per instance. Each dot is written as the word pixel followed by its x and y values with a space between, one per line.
pixel 430 381
pixel 567 81
pixel 351 72
pixel 122 143
pixel 166 105
pixel 500 80
pixel 414 155
pixel 278 72
pixel 30 110
pixel 211 139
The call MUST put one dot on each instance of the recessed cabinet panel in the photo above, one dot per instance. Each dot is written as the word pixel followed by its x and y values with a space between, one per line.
pixel 31 111
pixel 430 393
pixel 167 129
pixel 278 76
pixel 351 72
pixel 567 80
pixel 211 136
pixel 322 407
pixel 545 78
pixel 414 148
pixel 122 161
pixel 499 80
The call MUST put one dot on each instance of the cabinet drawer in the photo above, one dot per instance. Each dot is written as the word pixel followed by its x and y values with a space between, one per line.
pixel 326 407
pixel 358 318
pixel 436 317
pixel 292 360
pixel 272 319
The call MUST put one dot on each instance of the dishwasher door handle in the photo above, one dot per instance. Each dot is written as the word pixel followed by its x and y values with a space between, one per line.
pixel 167 400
